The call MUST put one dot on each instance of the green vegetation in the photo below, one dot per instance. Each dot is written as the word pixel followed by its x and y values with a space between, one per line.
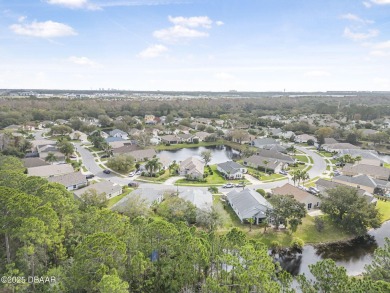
pixel 115 199
pixel 212 179
pixel 325 154
pixel 384 210
pixel 122 164
pixel 162 147
pixel 386 165
pixel 161 178
pixel 302 158
pixel 272 177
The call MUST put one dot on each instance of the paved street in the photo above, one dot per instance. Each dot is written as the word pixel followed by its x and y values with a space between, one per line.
pixel 317 169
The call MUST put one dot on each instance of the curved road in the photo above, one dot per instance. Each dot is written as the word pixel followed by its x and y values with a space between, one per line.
pixel 317 169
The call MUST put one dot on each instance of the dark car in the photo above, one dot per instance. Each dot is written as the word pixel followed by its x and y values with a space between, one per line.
pixel 104 156
pixel 89 176
pixel 132 184
pixel 106 171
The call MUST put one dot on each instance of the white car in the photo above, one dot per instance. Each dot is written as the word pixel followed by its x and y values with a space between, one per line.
pixel 132 174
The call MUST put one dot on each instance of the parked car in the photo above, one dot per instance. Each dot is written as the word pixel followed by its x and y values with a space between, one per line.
pixel 240 184
pixel 336 173
pixel 132 174
pixel 313 190
pixel 139 172
pixel 303 188
pixel 73 156
pixel 89 176
pixel 228 185
pixel 106 171
pixel 132 184
pixel 283 172
pixel 104 156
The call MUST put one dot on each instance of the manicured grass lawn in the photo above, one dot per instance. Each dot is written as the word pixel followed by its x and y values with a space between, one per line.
pixel 93 149
pixel 272 177
pixel 161 178
pixel 307 231
pixel 384 209
pixel 325 154
pixel 311 160
pixel 84 168
pixel 114 200
pixel 327 168
pixel 302 158
pixel 299 167
pixel 386 165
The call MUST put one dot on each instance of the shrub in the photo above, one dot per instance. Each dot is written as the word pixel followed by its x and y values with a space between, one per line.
pixel 276 246
pixel 319 223
pixel 261 191
pixel 297 244
pixel 213 189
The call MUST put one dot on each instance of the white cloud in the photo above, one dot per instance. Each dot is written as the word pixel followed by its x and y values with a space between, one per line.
pixel 82 61
pixel 357 36
pixel 381 49
pixel 22 18
pixel 153 51
pixel 381 2
pixel 178 32
pixel 185 28
pixel 195 21
pixel 353 17
pixel 317 73
pixel 367 4
pixel 46 29
pixel 219 23
pixel 74 4
pixel 69 3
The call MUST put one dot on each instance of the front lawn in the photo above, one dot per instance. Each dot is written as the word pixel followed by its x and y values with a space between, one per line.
pixel 162 147
pixel 161 178
pixel 384 209
pixel 215 179
pixel 325 154
pixel 272 177
pixel 386 165
pixel 115 199
pixel 307 231
pixel 302 158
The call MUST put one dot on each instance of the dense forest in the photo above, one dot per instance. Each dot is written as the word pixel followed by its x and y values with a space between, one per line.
pixel 248 110
pixel 69 246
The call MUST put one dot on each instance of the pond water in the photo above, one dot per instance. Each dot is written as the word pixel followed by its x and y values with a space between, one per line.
pixel 353 255
pixel 219 154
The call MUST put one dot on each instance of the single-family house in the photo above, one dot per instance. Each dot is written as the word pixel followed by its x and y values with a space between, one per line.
pixel 170 139
pixel 200 198
pixel 376 172
pixel 186 137
pixel 150 119
pixel 339 146
pixel 34 162
pixel 324 185
pixel 263 143
pixel 50 170
pixel 309 200
pixel 330 141
pixel 268 164
pixel 143 155
pixel 232 170
pixel 248 204
pixel 124 150
pixel 119 133
pixel 304 138
pixel 368 157
pixel 364 182
pixel 151 196
pixel 202 136
pixel 272 154
pixel 71 181
pixel 192 167
pixel 108 188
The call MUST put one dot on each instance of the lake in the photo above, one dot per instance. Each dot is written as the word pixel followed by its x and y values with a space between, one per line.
pixel 353 255
pixel 219 153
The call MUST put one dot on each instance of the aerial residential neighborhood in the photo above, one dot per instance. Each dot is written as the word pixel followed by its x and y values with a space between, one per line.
pixel 193 146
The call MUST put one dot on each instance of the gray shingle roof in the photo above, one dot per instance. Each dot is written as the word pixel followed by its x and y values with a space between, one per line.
pixel 34 162
pixel 101 187
pixel 248 203
pixel 230 167
pixel 69 179
pixel 276 155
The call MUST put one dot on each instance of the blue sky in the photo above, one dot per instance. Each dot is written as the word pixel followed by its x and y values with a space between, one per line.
pixel 216 45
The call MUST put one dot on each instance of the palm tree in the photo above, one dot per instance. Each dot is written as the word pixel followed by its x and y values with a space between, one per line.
pixel 51 158
pixel 251 222
pixel 304 175
pixel 153 165
pixel 292 149
pixel 295 176
pixel 107 149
